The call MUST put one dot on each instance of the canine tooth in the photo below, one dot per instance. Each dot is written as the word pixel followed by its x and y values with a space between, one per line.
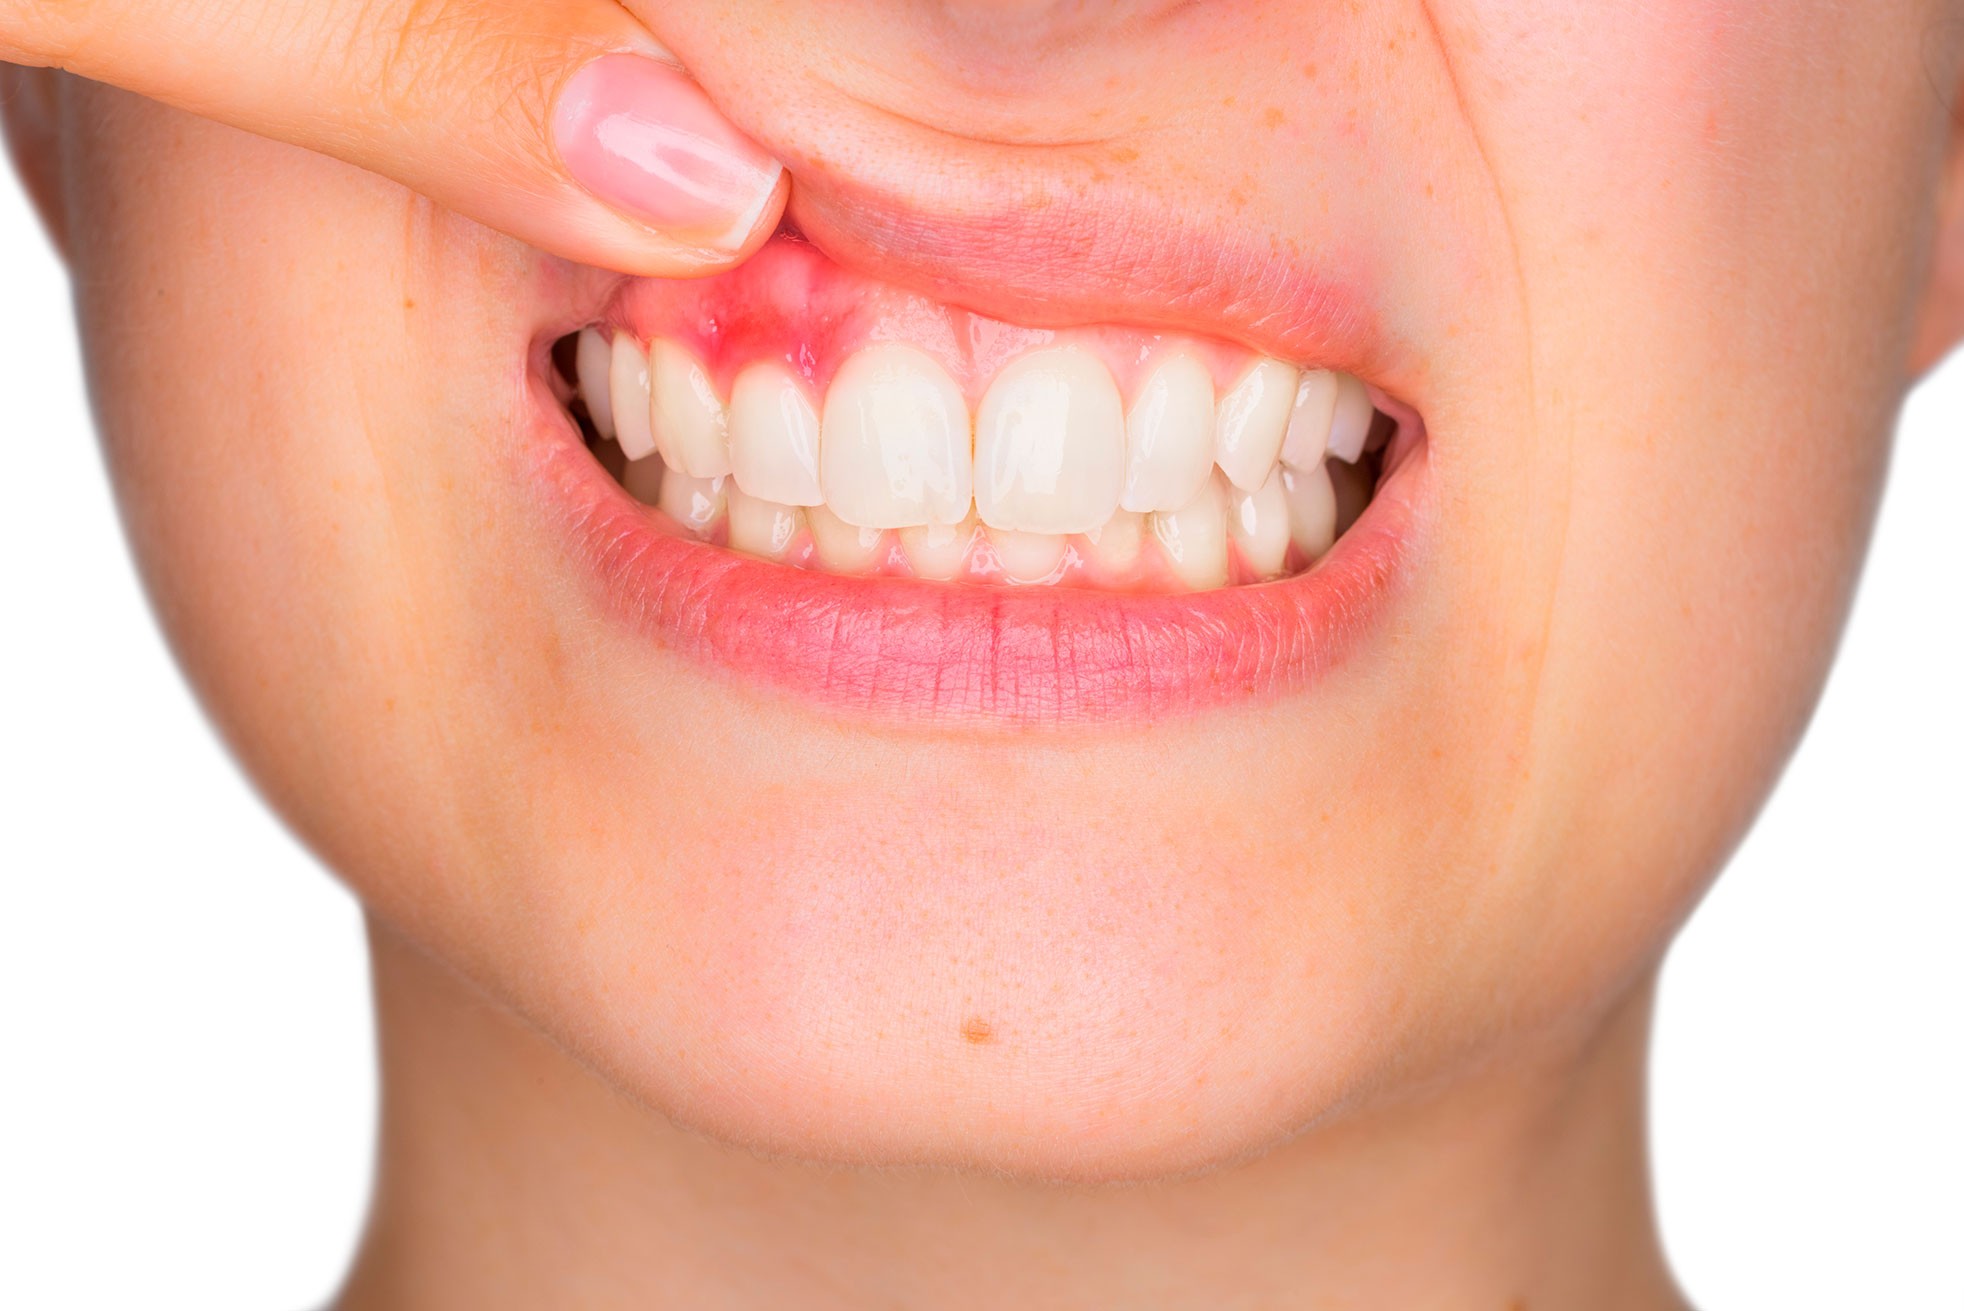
pixel 842 547
pixel 1312 508
pixel 1027 557
pixel 893 449
pixel 1308 435
pixel 1114 544
pixel 693 502
pixel 774 436
pixel 1250 420
pixel 593 360
pixel 1194 537
pixel 691 427
pixel 642 479
pixel 1049 444
pixel 761 527
pixel 937 550
pixel 627 389
pixel 1258 522
pixel 1169 435
pixel 1350 426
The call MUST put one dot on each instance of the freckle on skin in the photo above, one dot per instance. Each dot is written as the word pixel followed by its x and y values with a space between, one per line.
pixel 1272 116
pixel 977 1030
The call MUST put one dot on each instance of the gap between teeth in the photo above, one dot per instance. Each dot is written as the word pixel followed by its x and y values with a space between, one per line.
pixel 1053 475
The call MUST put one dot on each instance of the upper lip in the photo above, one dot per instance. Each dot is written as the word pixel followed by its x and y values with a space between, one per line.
pixel 1116 257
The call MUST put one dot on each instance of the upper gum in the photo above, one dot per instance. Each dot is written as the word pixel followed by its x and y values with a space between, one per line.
pixel 792 305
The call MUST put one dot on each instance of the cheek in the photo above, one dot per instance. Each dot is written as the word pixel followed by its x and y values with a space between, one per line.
pixel 1715 347
pixel 292 393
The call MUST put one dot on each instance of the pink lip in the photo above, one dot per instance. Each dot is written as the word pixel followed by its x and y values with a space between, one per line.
pixel 908 651
pixel 1123 256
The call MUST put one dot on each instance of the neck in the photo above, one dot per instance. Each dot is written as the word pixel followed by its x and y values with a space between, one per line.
pixel 511 1176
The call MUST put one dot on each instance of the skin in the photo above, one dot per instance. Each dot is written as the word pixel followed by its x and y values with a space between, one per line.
pixel 1350 987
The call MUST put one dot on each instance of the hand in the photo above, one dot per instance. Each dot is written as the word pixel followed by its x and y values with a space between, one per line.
pixel 561 122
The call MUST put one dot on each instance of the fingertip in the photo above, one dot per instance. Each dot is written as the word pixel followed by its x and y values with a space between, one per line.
pixel 641 137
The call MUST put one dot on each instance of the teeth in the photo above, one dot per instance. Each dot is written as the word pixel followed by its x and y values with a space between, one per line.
pixel 1312 508
pixel 1250 421
pixel 1169 435
pixel 1350 425
pixel 842 547
pixel 1258 522
pixel 937 550
pixel 774 436
pixel 1194 537
pixel 593 360
pixel 1054 463
pixel 1027 557
pixel 761 527
pixel 1113 546
pixel 691 428
pixel 692 502
pixel 627 387
pixel 1309 422
pixel 894 449
pixel 1049 444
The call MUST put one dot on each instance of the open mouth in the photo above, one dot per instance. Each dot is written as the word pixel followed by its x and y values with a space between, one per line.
pixel 1027 521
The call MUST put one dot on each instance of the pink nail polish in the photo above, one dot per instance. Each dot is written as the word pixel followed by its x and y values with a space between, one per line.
pixel 644 138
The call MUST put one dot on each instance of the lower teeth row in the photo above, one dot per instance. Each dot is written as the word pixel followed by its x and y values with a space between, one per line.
pixel 1223 535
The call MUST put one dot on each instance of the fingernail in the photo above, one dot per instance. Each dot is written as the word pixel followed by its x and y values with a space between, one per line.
pixel 645 139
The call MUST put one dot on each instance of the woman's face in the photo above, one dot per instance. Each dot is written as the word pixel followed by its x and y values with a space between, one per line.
pixel 1059 881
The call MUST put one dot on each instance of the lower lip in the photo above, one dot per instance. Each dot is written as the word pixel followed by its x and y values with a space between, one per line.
pixel 916 652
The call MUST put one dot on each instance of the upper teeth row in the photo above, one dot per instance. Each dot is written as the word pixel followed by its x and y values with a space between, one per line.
pixel 1051 449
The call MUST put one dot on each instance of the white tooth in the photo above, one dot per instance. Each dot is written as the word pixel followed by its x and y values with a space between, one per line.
pixel 642 479
pixel 1027 557
pixel 1312 508
pixel 1351 424
pixel 593 360
pixel 894 445
pixel 690 425
pixel 937 550
pixel 1309 421
pixel 1250 421
pixel 1113 546
pixel 1169 435
pixel 1258 522
pixel 1049 444
pixel 774 436
pixel 1194 537
pixel 627 389
pixel 761 527
pixel 695 503
pixel 842 547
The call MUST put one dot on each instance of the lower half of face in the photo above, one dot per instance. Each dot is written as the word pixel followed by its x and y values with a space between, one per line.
pixel 1080 660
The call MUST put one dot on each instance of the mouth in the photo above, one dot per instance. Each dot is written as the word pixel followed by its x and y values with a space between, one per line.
pixel 811 480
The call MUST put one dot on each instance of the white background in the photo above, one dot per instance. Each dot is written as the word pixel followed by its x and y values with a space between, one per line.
pixel 188 1098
